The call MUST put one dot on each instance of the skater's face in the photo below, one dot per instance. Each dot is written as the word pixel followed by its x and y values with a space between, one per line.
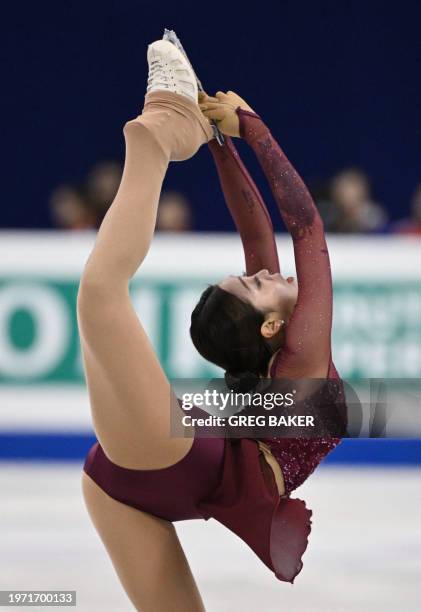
pixel 268 293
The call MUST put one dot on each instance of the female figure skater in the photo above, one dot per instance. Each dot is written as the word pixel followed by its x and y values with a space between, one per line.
pixel 137 479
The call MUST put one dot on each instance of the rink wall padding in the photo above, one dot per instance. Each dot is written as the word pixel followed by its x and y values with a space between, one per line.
pixel 57 447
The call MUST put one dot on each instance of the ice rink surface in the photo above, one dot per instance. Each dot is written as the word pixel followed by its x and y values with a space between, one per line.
pixel 364 552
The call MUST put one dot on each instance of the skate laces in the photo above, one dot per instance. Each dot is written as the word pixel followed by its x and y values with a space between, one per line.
pixel 162 72
pixel 158 75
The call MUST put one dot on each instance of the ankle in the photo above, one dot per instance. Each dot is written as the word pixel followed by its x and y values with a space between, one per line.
pixel 181 118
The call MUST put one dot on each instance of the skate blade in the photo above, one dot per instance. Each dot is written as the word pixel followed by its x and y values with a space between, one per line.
pixel 172 37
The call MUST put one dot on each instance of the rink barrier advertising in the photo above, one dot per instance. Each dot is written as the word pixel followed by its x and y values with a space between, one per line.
pixel 44 408
pixel 376 331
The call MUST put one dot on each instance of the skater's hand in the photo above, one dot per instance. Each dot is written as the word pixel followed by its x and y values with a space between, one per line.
pixel 222 109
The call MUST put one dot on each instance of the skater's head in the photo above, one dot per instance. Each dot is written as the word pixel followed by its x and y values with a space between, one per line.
pixel 239 323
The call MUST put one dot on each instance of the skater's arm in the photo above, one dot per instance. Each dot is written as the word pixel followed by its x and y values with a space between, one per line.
pixel 308 333
pixel 247 208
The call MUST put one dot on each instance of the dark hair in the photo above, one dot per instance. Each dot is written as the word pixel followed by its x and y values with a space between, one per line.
pixel 226 331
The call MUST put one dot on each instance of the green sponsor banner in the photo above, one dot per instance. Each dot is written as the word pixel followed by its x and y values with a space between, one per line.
pixel 376 331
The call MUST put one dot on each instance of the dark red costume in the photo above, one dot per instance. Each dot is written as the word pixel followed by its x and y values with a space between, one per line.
pixel 226 478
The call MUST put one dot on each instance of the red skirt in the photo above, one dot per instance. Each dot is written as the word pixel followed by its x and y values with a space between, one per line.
pixel 247 501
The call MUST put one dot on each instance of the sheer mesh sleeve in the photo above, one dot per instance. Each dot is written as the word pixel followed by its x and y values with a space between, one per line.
pixel 247 209
pixel 307 349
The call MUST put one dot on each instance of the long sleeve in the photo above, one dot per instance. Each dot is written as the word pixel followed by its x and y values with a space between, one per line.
pixel 247 209
pixel 307 349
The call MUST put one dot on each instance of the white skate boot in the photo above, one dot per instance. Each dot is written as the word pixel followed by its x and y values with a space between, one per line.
pixel 169 70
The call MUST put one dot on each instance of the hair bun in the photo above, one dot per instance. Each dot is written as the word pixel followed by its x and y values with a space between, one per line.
pixel 241 382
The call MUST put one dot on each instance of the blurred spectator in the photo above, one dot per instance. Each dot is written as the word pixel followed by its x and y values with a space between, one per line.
pixel 412 225
pixel 70 208
pixel 101 186
pixel 350 208
pixel 174 213
pixel 76 207
pixel 320 193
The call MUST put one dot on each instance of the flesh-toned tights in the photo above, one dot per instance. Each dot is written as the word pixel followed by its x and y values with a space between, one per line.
pixel 129 393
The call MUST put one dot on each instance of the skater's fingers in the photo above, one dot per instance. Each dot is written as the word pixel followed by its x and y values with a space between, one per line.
pixel 220 95
pixel 203 95
pixel 217 114
pixel 204 99
pixel 211 105
pixel 236 101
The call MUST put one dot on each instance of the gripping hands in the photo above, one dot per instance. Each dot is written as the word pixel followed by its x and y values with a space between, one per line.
pixel 222 109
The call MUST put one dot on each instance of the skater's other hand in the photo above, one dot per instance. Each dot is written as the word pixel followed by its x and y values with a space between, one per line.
pixel 222 109
pixel 230 97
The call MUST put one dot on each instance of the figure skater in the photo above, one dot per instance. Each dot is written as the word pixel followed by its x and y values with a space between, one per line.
pixel 138 479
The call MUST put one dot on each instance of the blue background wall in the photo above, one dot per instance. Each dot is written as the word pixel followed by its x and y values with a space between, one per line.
pixel 338 82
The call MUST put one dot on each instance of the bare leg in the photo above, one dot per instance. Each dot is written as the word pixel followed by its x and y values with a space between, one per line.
pixel 146 554
pixel 129 392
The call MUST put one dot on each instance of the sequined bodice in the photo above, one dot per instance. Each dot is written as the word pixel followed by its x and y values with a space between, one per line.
pixel 299 457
